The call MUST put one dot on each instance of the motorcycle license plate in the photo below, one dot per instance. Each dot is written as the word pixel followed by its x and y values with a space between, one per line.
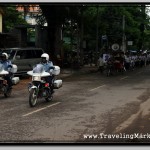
pixel 36 78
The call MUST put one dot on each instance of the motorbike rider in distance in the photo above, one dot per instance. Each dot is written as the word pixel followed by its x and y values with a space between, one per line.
pixel 48 65
pixel 7 66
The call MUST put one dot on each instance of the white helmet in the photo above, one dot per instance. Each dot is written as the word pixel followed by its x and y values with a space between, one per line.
pixel 45 55
pixel 5 54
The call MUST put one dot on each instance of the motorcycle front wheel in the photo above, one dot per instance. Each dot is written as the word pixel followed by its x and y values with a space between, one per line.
pixel 32 98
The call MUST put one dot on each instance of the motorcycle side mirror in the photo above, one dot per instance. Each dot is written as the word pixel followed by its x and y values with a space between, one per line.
pixel 52 67
pixel 17 57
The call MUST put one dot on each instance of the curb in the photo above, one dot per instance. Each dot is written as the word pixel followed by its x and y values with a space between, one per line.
pixel 67 73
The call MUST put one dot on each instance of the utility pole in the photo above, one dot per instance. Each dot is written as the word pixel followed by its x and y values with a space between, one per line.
pixel 123 36
pixel 81 36
pixel 97 25
pixel 143 26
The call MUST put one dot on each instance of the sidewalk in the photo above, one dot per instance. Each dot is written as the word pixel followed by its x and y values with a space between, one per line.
pixel 66 72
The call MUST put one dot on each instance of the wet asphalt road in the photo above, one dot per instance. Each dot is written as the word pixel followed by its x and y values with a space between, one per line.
pixel 87 104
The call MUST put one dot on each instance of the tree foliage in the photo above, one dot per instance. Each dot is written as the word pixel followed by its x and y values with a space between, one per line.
pixel 11 17
pixel 110 22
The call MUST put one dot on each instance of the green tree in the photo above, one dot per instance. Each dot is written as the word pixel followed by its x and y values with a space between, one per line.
pixel 57 15
pixel 110 19
pixel 11 17
pixel 110 23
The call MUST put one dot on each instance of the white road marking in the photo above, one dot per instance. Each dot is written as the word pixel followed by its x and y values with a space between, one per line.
pixel 40 109
pixel 124 78
pixel 97 87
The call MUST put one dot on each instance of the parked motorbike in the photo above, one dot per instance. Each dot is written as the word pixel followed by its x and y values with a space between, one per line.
pixel 4 88
pixel 39 88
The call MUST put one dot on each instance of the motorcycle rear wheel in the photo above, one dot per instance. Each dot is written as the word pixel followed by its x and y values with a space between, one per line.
pixel 50 97
pixel 7 92
pixel 32 98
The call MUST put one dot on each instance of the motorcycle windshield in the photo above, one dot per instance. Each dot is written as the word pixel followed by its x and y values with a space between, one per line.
pixel 1 67
pixel 38 68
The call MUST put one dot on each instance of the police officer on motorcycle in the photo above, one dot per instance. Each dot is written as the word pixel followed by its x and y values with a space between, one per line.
pixel 7 66
pixel 48 65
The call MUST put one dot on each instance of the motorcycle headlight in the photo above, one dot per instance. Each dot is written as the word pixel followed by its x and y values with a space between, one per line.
pixel 36 78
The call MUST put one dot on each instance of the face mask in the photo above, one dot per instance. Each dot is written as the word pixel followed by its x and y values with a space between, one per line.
pixel 44 60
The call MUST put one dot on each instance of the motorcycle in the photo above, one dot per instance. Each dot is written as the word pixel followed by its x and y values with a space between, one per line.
pixel 4 88
pixel 39 88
